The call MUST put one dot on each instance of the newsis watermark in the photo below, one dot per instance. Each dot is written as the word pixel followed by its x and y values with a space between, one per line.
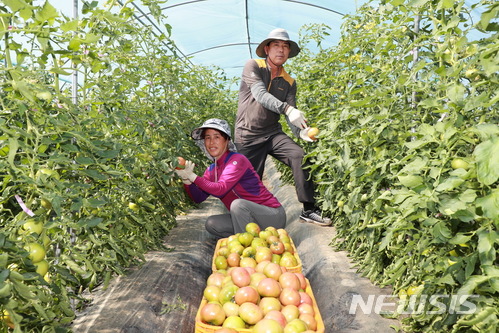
pixel 413 305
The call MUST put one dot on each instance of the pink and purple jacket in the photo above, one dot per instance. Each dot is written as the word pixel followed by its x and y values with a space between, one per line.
pixel 231 177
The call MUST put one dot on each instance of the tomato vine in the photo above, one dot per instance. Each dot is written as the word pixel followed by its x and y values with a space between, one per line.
pixel 406 93
pixel 95 174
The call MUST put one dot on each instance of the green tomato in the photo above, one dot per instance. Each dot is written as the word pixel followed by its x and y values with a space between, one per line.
pixel 133 206
pixel 32 226
pixel 42 267
pixel 36 252
pixel 458 163
pixel 46 203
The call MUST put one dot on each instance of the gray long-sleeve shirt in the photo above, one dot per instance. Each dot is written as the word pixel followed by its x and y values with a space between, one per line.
pixel 262 101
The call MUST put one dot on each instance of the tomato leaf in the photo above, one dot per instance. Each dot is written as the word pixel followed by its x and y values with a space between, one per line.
pixel 90 222
pixel 410 181
pixel 449 184
pixel 490 204
pixel 487 157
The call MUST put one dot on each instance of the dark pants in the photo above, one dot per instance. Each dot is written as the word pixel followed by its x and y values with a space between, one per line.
pixel 284 149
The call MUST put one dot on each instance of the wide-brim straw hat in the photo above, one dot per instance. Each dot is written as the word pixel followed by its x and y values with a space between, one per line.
pixel 278 34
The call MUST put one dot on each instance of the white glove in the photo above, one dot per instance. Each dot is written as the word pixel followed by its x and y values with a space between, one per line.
pixel 304 135
pixel 296 117
pixel 187 174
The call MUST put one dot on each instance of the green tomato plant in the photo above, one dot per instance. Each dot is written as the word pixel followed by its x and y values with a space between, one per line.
pixel 406 93
pixel 93 170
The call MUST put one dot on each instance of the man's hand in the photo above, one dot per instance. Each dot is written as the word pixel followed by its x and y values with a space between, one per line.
pixel 296 117
pixel 187 174
pixel 304 135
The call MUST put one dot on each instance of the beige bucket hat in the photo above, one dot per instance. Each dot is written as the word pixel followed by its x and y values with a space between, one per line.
pixel 278 34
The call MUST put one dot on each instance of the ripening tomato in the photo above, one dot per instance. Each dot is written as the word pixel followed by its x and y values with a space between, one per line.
pixel 290 312
pixel 215 279
pixel 246 294
pixel 312 133
pixel 211 293
pixel 247 262
pixel 231 309
pixel 180 163
pixel 309 320
pixel 245 238
pixel 261 265
pixel 212 313
pixel 277 316
pixel 263 254
pixel 303 281
pixel 289 296
pixel 271 239
pixel 290 280
pixel 295 326
pixel 277 247
pixel 306 308
pixel 305 298
pixel 269 287
pixel 258 242
pixel 233 259
pixel 288 260
pixel 264 234
pixel 272 270
pixel 250 313
pixel 255 278
pixel 267 326
pixel 234 322
pixel 268 304
pixel 272 230
pixel 253 229
pixel 227 294
pixel 240 276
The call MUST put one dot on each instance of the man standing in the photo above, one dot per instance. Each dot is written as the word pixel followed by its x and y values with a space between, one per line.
pixel 266 93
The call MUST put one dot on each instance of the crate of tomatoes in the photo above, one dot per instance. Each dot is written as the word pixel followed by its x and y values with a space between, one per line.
pixel 267 298
pixel 250 248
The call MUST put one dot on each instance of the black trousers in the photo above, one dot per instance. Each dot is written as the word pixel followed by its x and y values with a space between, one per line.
pixel 285 150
